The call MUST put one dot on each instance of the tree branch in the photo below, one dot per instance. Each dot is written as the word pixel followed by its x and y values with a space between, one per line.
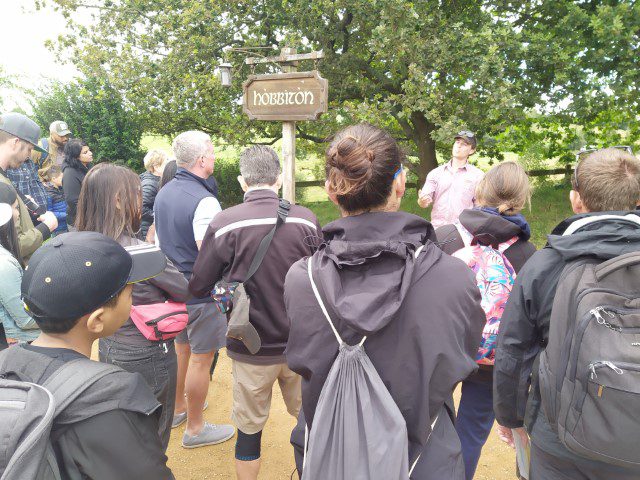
pixel 270 142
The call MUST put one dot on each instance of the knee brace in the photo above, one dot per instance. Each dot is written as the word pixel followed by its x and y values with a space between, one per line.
pixel 248 446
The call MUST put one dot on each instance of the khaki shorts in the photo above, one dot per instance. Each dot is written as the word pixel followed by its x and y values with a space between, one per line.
pixel 252 387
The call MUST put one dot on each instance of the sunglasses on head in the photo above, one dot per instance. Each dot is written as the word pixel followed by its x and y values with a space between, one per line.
pixel 586 151
pixel 466 134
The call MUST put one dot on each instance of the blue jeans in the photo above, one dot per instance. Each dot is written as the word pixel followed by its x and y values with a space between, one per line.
pixel 159 369
pixel 475 418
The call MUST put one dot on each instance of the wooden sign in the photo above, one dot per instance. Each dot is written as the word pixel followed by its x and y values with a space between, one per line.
pixel 285 96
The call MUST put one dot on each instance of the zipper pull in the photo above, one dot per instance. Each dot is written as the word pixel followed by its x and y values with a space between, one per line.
pixel 613 367
pixel 596 313
pixel 592 369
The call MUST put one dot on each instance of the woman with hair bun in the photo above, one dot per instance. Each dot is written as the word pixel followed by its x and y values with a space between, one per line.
pixel 496 222
pixel 380 275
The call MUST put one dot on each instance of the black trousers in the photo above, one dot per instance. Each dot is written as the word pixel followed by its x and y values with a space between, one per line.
pixel 545 466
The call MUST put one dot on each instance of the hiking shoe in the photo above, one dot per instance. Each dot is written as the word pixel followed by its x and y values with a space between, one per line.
pixel 210 435
pixel 180 418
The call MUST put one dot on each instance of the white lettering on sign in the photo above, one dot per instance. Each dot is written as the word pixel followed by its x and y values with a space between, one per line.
pixel 300 97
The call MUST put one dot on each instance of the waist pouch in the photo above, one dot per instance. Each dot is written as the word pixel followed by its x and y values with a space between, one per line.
pixel 159 322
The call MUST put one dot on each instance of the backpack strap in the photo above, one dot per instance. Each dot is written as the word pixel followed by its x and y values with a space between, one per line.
pixel 314 287
pixel 617 263
pixel 505 245
pixel 283 212
pixel 465 235
pixel 415 462
pixel 73 378
pixel 44 143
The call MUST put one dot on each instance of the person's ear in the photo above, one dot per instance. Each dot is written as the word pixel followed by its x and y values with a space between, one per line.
pixel 400 184
pixel 95 322
pixel 243 183
pixel 332 195
pixel 279 181
pixel 576 202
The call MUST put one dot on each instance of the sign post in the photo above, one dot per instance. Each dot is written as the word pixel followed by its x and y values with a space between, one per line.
pixel 289 142
pixel 289 97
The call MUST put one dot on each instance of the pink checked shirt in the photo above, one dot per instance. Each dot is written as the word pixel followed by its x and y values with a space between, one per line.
pixel 451 191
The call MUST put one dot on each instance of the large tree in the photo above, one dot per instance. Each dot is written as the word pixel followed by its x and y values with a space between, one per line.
pixel 95 112
pixel 420 68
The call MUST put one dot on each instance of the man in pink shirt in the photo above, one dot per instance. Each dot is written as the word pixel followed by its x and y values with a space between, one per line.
pixel 452 187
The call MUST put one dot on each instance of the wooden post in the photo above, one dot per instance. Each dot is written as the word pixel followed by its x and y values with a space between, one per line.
pixel 289 141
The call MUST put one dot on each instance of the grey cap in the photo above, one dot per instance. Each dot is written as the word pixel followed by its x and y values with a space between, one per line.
pixel 23 127
pixel 60 128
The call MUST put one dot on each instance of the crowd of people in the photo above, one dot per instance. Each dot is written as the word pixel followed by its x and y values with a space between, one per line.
pixel 368 324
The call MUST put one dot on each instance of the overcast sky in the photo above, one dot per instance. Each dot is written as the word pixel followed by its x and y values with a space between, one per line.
pixel 23 34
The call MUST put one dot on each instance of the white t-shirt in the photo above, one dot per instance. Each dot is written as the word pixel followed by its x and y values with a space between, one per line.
pixel 208 208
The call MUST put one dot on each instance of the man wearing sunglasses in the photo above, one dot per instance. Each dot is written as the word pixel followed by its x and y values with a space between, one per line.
pixel 451 187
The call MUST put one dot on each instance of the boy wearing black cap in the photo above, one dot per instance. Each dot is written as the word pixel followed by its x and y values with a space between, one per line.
pixel 78 289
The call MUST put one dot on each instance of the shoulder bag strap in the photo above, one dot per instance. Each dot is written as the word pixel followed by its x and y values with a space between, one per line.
pixel 283 213
pixel 73 378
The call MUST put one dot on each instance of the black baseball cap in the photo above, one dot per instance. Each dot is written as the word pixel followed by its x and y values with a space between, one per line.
pixel 23 127
pixel 75 273
pixel 468 136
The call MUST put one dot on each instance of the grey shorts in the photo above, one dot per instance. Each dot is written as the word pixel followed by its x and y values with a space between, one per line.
pixel 207 328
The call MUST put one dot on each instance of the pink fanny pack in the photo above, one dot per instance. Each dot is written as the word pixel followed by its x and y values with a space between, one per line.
pixel 159 322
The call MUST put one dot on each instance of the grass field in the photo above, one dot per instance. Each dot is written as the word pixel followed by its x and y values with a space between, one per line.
pixel 549 205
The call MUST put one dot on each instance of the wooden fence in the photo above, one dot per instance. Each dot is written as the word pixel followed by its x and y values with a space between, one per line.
pixel 532 173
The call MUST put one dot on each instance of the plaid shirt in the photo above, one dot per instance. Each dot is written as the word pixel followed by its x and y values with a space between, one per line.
pixel 25 179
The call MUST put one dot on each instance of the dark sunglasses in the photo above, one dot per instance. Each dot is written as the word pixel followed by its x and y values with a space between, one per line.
pixel 586 151
pixel 466 134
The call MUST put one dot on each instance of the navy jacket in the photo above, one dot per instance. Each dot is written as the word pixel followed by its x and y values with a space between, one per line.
pixel 57 204
pixel 174 211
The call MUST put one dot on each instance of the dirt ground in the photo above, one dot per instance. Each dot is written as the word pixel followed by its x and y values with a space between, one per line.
pixel 216 462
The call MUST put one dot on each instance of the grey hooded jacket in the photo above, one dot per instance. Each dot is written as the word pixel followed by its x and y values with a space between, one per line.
pixel 422 319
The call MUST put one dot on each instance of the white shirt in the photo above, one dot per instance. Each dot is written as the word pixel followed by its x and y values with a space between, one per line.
pixel 206 210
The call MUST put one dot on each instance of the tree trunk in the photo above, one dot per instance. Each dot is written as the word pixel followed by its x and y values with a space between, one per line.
pixel 426 146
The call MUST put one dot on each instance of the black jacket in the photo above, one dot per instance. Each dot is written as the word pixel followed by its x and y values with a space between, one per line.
pixel 150 184
pixel 227 251
pixel 524 327
pixel 480 223
pixel 71 183
pixel 422 319
pixel 109 432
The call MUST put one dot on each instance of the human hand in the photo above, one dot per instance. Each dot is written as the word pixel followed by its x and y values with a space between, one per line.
pixel 506 435
pixel 49 219
pixel 424 199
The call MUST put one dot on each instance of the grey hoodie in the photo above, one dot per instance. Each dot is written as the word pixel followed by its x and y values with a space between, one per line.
pixel 422 318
